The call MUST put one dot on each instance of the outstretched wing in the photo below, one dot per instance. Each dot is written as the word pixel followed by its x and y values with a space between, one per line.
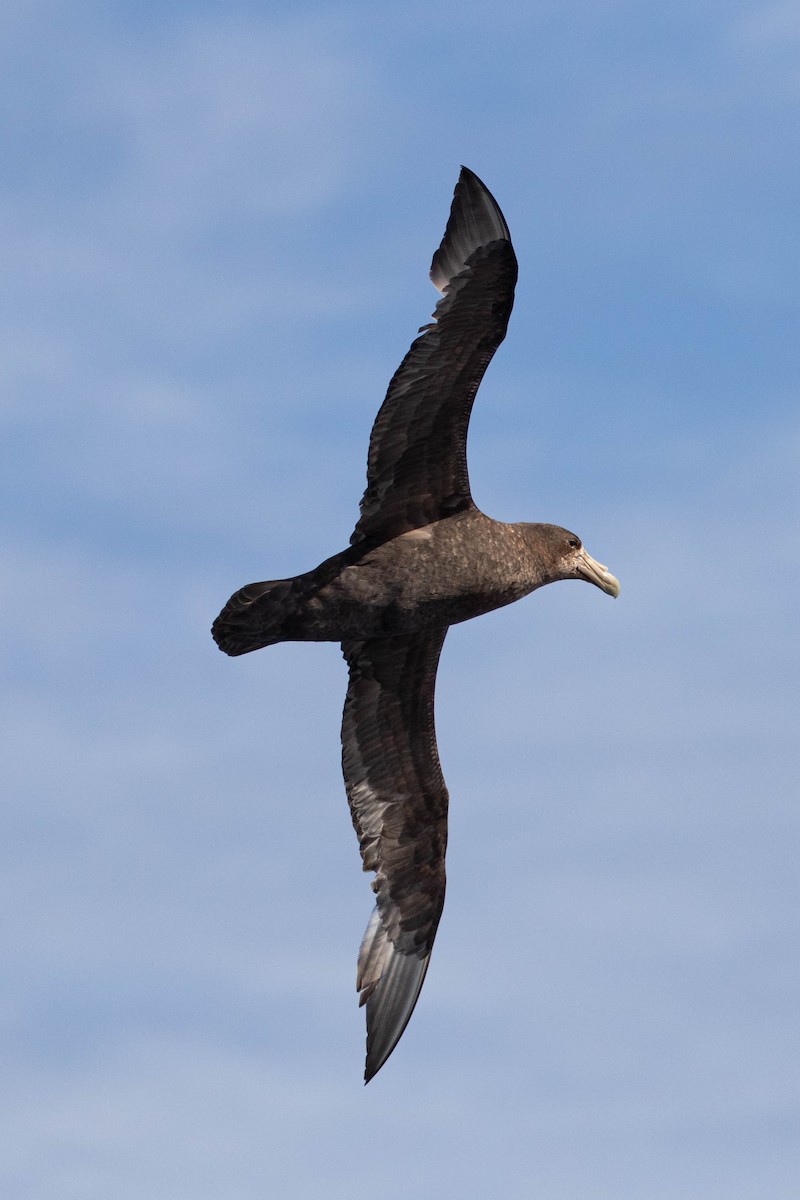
pixel 398 801
pixel 417 466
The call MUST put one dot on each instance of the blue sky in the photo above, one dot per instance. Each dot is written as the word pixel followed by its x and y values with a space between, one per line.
pixel 217 224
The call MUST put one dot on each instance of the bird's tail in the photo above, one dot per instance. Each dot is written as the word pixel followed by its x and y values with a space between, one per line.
pixel 256 616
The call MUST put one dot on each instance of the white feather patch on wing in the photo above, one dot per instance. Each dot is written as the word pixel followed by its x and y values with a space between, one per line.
pixel 371 810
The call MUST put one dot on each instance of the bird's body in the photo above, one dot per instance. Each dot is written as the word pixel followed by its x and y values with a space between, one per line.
pixel 428 578
pixel 422 558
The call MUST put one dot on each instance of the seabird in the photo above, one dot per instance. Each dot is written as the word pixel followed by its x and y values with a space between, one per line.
pixel 422 558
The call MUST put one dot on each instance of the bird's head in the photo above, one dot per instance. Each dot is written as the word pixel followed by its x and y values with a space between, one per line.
pixel 564 557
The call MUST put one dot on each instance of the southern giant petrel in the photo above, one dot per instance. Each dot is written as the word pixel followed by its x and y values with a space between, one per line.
pixel 422 558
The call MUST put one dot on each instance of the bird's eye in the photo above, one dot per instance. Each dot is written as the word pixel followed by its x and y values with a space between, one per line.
pixel 574 543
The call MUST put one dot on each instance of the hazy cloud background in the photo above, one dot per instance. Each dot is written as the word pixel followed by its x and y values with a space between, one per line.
pixel 217 222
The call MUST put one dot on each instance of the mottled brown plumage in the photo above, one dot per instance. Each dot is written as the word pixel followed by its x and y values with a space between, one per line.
pixel 422 557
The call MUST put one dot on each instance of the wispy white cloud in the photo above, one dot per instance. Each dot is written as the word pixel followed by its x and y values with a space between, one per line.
pixel 768 25
pixel 186 124
pixel 224 125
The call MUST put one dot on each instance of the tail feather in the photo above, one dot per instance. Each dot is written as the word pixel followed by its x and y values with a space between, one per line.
pixel 390 983
pixel 253 617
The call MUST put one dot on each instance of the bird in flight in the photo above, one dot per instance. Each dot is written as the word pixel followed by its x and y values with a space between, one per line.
pixel 422 558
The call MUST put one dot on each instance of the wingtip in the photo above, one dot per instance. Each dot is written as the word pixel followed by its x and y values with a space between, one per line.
pixel 468 173
pixel 475 220
pixel 390 983
pixel 390 1007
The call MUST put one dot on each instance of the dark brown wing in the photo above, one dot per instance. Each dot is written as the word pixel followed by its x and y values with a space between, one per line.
pixel 398 801
pixel 417 467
